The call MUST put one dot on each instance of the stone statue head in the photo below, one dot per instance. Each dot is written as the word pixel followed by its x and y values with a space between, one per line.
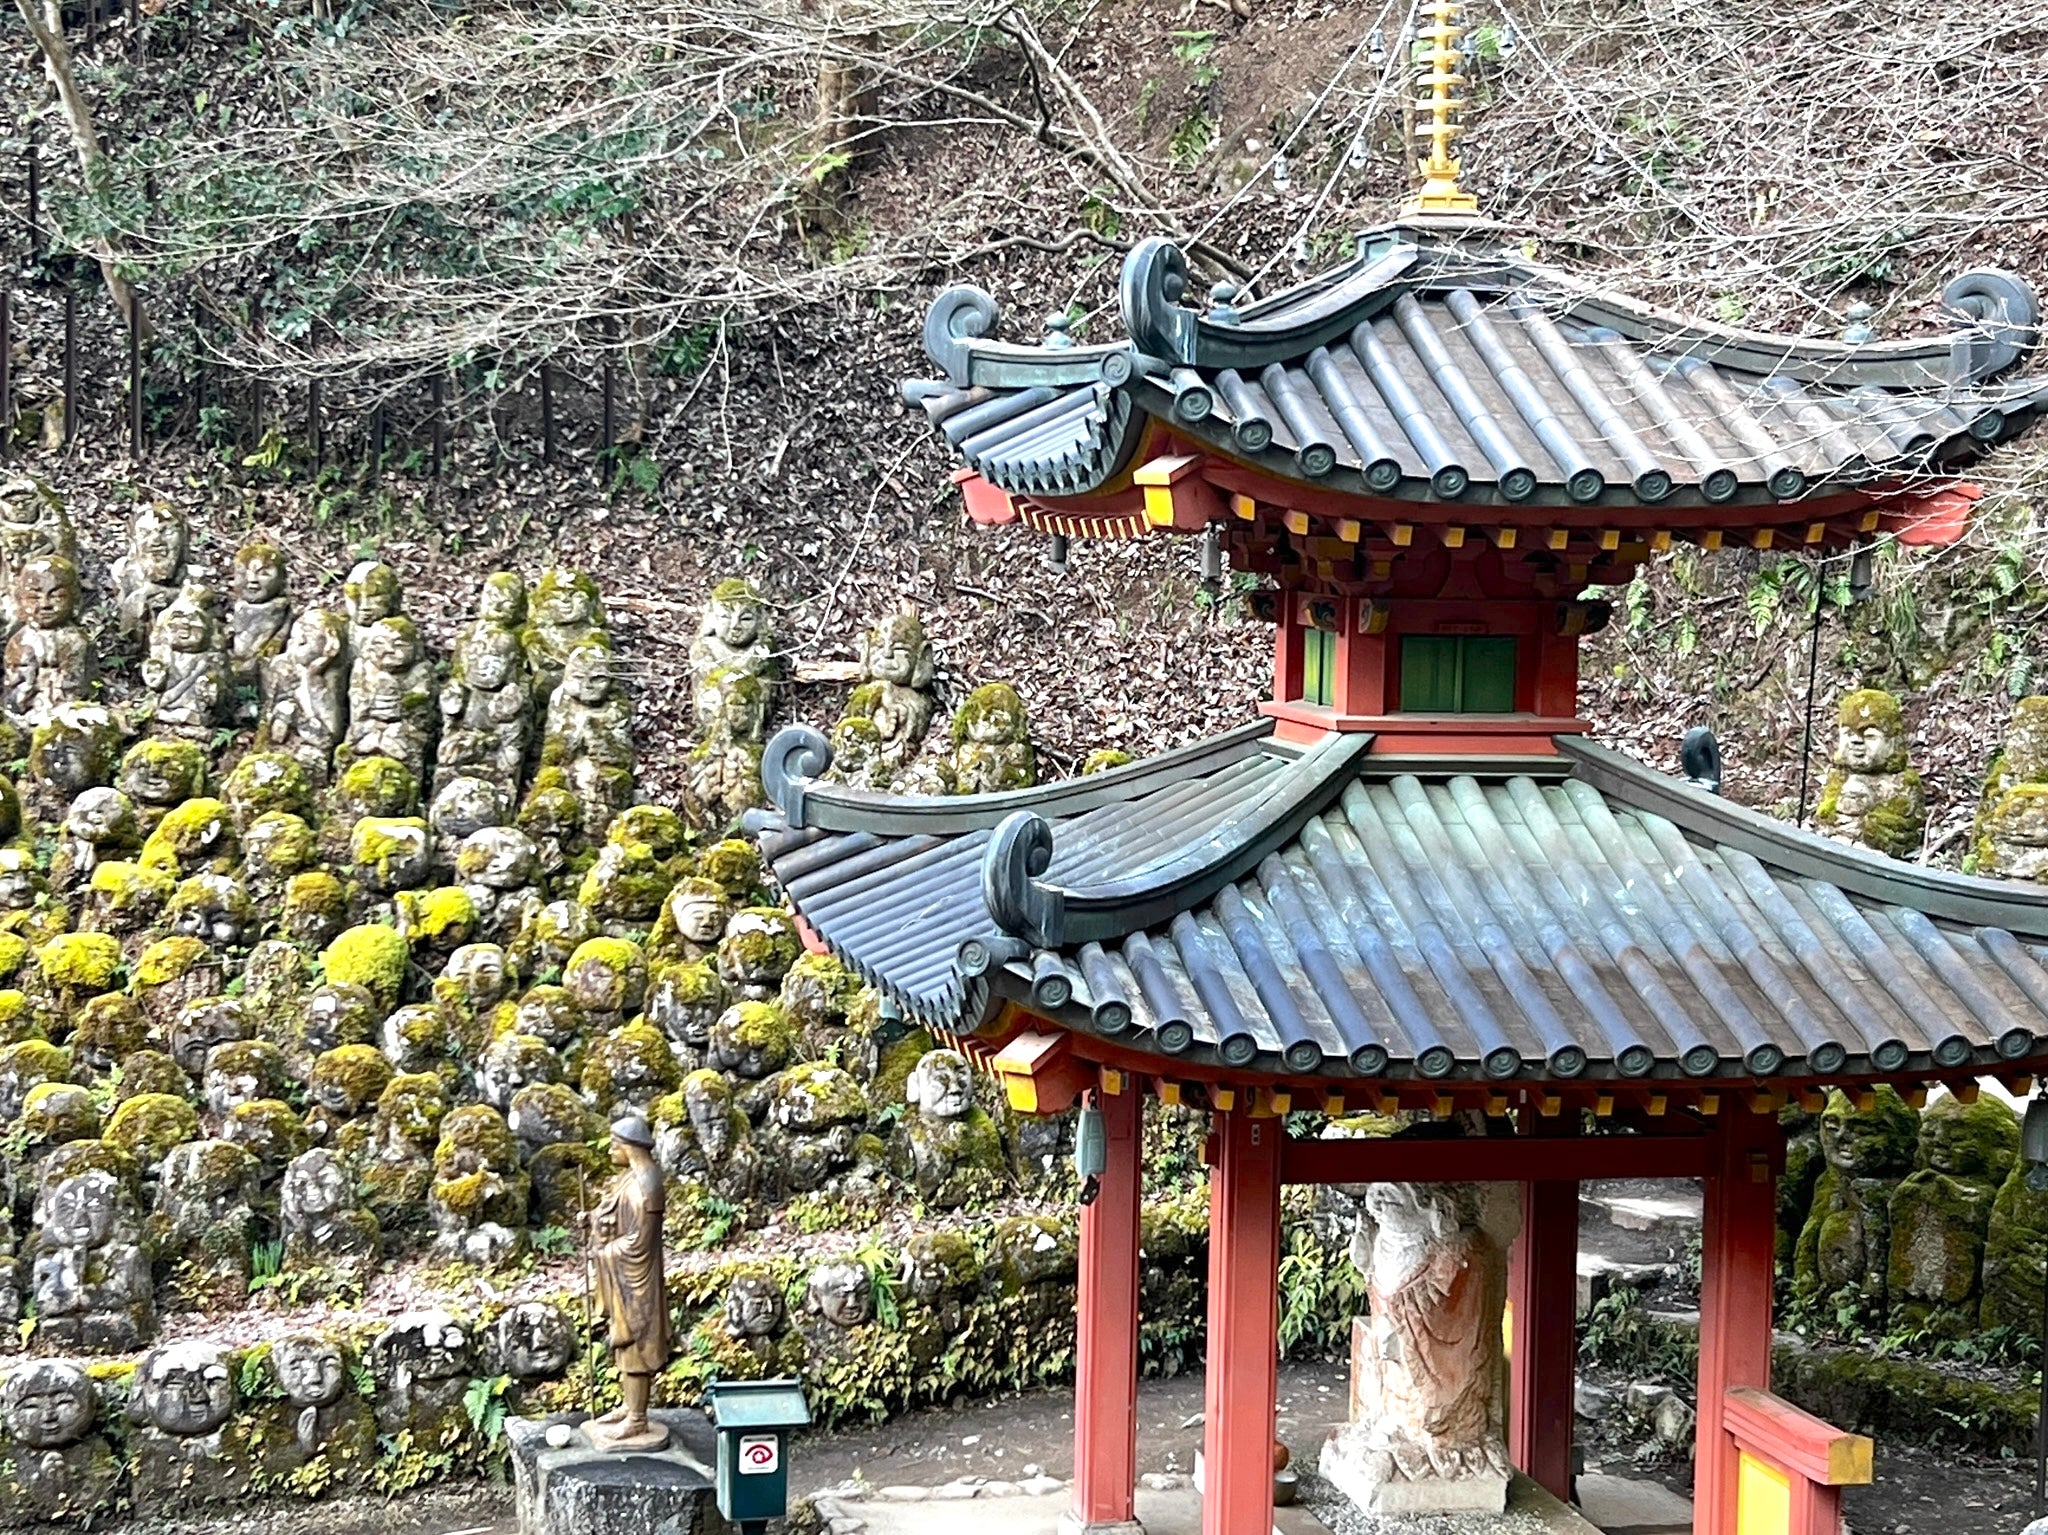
pixel 992 715
pixel 32 522
pixel 156 542
pixel 937 1264
pixel 317 642
pixel 587 675
pixel 753 1306
pixel 686 1000
pixel 498 858
pixel 2020 817
pixel 157 772
pixel 338 1013
pixel 465 806
pixel 243 1071
pixel 533 1341
pixel 102 817
pixel 1418 1212
pixel 502 601
pixel 897 651
pixel 186 626
pixel 203 1023
pixel 565 599
pixel 20 881
pixel 183 1389
pixel 511 1062
pixel 1871 733
pixel 941 1085
pixel 1877 1142
pixel 759 946
pixel 490 658
pixel 48 1404
pixel 731 705
pixel 259 572
pixel 83 1210
pixel 371 593
pixel 479 972
pixel 317 1187
pixel 735 615
pixel 391 644
pixel 422 1345
pixel 698 909
pixel 46 592
pixel 707 1099
pixel 309 1370
pixel 750 1039
pixel 550 1015
pixel 840 1292
pixel 211 907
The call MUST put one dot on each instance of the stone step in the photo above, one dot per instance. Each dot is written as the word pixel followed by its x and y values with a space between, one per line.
pixel 1622 1505
pixel 1599 1275
pixel 1670 1215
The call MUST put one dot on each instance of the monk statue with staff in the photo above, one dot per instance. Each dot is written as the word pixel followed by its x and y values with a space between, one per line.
pixel 626 1228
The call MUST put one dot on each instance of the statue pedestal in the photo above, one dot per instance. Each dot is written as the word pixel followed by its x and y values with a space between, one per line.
pixel 581 1490
pixel 1369 1479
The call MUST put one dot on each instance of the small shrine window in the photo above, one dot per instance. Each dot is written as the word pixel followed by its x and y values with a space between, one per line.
pixel 1457 674
pixel 1318 666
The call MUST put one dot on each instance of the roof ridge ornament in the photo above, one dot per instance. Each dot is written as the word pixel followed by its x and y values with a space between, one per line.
pixel 2002 312
pixel 1019 851
pixel 794 758
pixel 1154 281
pixel 1440 111
pixel 961 314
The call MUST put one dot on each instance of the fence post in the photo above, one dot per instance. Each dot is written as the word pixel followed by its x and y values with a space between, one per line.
pixel 134 376
pixel 70 364
pixel 377 442
pixel 547 413
pixel 608 432
pixel 440 427
pixel 35 195
pixel 313 424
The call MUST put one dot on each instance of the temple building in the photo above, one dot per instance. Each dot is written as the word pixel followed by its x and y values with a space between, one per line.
pixel 1415 882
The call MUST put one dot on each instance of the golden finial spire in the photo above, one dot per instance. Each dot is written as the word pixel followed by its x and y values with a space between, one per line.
pixel 1438 109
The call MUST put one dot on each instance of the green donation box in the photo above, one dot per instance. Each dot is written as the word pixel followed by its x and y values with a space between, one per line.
pixel 753 1419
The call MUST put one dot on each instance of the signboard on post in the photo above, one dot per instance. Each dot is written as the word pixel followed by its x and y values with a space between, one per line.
pixel 760 1454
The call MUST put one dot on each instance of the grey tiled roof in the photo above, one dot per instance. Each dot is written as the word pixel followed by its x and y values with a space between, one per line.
pixel 1424 371
pixel 1325 913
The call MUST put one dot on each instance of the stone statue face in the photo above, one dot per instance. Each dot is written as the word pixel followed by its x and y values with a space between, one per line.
pixel 699 912
pixel 337 1015
pixel 1866 750
pixel 226 1089
pixel 186 625
pixel 997 725
pixel 100 816
pixel 710 1108
pixel 429 1345
pixel 839 1292
pixel 503 599
pixel 586 675
pixel 48 1404
pixel 898 652
pixel 316 1187
pixel 534 1341
pixel 308 1369
pixel 489 660
pixel 464 807
pixel 154 777
pixel 391 647
pixel 17 880
pixel 371 593
pixel 184 1388
pixel 734 704
pixel 479 969
pixel 200 1025
pixel 259 573
pixel 736 622
pixel 80 1211
pixel 315 642
pixel 942 1085
pixel 753 1308
pixel 567 606
pixel 549 1014
pixel 156 541
pixel 47 592
pixel 498 858
pixel 2025 824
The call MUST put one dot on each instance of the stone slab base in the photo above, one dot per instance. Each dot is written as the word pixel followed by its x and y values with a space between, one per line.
pixel 581 1490
pixel 1348 1467
pixel 1072 1523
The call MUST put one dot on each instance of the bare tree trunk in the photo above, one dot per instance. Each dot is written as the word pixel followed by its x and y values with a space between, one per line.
pixel 840 124
pixel 46 26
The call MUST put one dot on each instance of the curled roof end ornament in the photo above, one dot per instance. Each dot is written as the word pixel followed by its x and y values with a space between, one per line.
pixel 1155 280
pixel 794 758
pixel 961 314
pixel 1700 755
pixel 2002 313
pixel 1019 851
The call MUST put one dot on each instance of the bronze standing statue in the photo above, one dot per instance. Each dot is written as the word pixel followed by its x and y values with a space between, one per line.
pixel 631 1288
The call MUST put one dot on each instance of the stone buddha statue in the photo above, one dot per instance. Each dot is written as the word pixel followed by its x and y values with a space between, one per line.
pixel 148 578
pixel 894 697
pixel 50 658
pixel 187 667
pixel 1871 796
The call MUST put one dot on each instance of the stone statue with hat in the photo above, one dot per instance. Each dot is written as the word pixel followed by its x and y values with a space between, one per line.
pixel 631 1288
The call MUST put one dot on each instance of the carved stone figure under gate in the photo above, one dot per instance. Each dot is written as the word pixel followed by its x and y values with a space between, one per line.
pixel 1428 1433
pixel 63 1473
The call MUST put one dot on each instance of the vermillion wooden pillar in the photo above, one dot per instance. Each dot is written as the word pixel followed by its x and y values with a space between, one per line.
pixel 1106 1333
pixel 1738 1241
pixel 1244 1325
pixel 1543 1294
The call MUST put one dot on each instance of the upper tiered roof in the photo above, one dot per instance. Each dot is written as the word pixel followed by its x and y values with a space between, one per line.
pixel 1432 369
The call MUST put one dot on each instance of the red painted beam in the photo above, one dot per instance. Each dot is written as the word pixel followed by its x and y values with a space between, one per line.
pixel 1106 1330
pixel 1738 1239
pixel 1244 1326
pixel 1502 1159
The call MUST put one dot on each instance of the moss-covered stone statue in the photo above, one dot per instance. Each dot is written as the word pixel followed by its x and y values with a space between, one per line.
pixel 708 1139
pixel 182 1396
pixel 1845 1249
pixel 326 1228
pixel 734 635
pixel 186 670
pixel 259 613
pixel 590 737
pixel 1940 1214
pixel 992 742
pixel 478 1196
pixel 499 868
pixel 205 1223
pixel 62 1471
pixel 370 594
pixel 90 1276
pixel 487 702
pixel 305 693
pixel 158 775
pixel 1872 796
pixel 33 523
pixel 51 660
pixel 725 766
pixel 894 697
pixel 814 1125
pixel 391 695
pixel 147 578
pixel 946 1146
pixel 319 1423
pixel 565 611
